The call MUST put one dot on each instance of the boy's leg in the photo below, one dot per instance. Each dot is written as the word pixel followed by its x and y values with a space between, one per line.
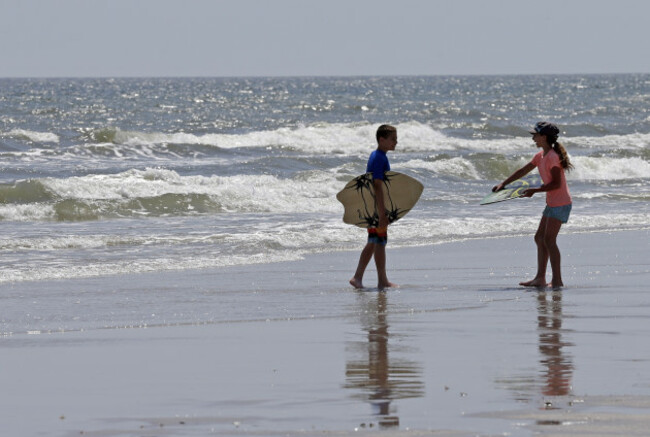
pixel 364 259
pixel 380 262
pixel 542 256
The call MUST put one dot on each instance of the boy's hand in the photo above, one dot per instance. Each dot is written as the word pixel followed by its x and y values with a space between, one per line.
pixel 379 196
pixel 497 187
pixel 383 221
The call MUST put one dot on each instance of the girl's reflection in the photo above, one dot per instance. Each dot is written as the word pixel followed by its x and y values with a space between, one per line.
pixel 557 365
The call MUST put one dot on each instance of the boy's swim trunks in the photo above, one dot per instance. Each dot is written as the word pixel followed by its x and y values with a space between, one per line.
pixel 378 236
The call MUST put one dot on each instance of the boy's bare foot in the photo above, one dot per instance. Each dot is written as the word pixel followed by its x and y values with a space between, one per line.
pixel 555 286
pixel 536 282
pixel 387 285
pixel 356 283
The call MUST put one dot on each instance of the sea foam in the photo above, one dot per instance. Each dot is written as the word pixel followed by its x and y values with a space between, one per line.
pixel 32 136
pixel 606 168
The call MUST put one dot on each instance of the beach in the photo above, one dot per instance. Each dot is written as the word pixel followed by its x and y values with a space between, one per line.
pixel 173 260
pixel 290 349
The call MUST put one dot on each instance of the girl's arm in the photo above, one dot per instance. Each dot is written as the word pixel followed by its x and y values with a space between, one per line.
pixel 552 185
pixel 523 171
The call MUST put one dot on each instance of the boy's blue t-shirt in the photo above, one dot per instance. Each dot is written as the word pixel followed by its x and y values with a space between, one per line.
pixel 378 164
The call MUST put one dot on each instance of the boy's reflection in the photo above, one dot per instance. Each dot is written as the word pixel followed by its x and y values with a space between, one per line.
pixel 558 368
pixel 376 378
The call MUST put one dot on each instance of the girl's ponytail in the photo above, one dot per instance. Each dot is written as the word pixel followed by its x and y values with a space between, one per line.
pixel 561 151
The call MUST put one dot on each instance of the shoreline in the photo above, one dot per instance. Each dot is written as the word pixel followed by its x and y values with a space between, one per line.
pixel 291 349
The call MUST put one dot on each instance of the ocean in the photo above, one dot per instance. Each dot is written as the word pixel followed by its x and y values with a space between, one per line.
pixel 112 176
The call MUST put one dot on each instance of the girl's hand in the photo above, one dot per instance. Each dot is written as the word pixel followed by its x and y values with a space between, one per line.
pixel 497 187
pixel 529 192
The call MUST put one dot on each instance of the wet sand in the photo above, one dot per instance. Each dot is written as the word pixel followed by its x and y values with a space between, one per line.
pixel 290 349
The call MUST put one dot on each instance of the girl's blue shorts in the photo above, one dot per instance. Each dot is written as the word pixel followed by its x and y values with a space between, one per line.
pixel 558 212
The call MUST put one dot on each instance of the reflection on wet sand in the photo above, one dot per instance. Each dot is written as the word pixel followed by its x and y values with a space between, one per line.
pixel 379 377
pixel 556 363
pixel 554 372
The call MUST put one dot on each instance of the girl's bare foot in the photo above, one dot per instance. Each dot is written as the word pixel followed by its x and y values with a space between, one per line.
pixel 556 286
pixel 387 285
pixel 356 283
pixel 536 282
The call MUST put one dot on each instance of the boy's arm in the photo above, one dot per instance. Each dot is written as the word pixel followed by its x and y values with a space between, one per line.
pixel 379 198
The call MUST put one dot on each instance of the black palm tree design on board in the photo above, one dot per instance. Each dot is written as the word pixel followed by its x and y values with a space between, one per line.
pixel 364 185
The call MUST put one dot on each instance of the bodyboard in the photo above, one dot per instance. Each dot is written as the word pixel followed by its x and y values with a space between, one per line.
pixel 401 193
pixel 513 190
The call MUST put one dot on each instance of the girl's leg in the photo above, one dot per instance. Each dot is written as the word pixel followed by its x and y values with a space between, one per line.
pixel 542 256
pixel 550 241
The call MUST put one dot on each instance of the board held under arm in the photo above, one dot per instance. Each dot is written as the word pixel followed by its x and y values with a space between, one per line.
pixel 401 193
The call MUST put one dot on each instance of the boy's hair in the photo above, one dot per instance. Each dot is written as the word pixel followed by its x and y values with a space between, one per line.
pixel 385 130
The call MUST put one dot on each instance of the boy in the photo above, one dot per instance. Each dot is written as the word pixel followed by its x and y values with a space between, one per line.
pixel 377 237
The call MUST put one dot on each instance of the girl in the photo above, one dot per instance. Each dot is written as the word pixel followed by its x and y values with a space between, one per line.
pixel 551 161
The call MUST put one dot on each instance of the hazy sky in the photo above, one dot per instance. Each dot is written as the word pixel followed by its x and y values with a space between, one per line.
pixel 109 38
